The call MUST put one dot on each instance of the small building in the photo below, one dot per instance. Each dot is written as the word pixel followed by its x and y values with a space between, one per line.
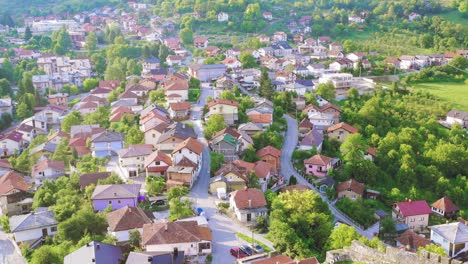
pixel 115 195
pixel 452 237
pixel 11 143
pixel 415 214
pixel 456 116
pixel 87 179
pixel 272 156
pixel 227 108
pixel 132 159
pixel 248 204
pixel 14 194
pixel 175 257
pixel 47 170
pixel 157 163
pixel 351 189
pixel 95 252
pixel 200 42
pixel 106 144
pixel 225 144
pixel 318 165
pixel 187 237
pixel 223 17
pixel 445 207
pixel 32 226
pixel 340 131
pixel 411 241
pixel 127 219
pixel 268 15
pixel 207 72
pixel 180 111
pixel 60 99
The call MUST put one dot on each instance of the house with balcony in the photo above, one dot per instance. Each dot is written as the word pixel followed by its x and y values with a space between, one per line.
pixel 453 237
pixel 319 165
pixel 14 194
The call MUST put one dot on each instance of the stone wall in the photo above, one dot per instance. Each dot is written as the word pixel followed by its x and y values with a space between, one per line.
pixel 361 253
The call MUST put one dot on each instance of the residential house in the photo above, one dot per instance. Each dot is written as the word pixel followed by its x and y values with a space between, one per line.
pixel 340 131
pixel 175 257
pixel 415 214
pixel 11 143
pixel 14 196
pixel 102 93
pixel 60 99
pixel 207 72
pixel 394 62
pixel 6 106
pixel 175 89
pixel 323 40
pixel 187 237
pixel 118 113
pixel 250 128
pixel 452 237
pixel 341 64
pixel 411 241
pixel 226 108
pixel 324 184
pixel 174 60
pixel 223 17
pixel 157 163
pixel 351 189
pixel 150 64
pixel 456 116
pixel 5 167
pixel 232 63
pixel 267 15
pixel 95 252
pixel 200 42
pixel 181 174
pixel 30 227
pixel 413 16
pixel 264 38
pixel 190 148
pixel 279 36
pixel 152 133
pixel 106 144
pixel 127 219
pixel 281 49
pixel 248 204
pixel 51 113
pixel 87 179
pixel 115 195
pixel 46 169
pixel 230 177
pixel 305 126
pixel 173 135
pixel 226 144
pixel 212 51
pixel 180 111
pixel 132 159
pixel 109 84
pixel 318 165
pixel 29 132
pixel 321 121
pixel 272 156
pixel 445 207
pixel 312 140
pixel 407 62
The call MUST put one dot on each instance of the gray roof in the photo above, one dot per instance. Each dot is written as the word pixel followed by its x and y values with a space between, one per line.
pixel 250 126
pixel 116 191
pixel 32 221
pixel 218 179
pixel 107 136
pixel 155 258
pixel 454 232
pixel 125 102
pixel 178 130
pixel 95 252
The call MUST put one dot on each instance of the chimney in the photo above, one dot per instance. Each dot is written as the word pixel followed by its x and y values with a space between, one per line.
pixel 250 203
pixel 34 123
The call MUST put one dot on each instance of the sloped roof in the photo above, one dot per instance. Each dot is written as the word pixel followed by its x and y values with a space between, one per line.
pixel 158 156
pixel 411 208
pixel 412 239
pixel 228 138
pixel 116 191
pixel 344 126
pixel 228 130
pixel 136 150
pixel 107 136
pixel 92 178
pixel 454 232
pixel 12 181
pixel 351 184
pixel 269 150
pixel 32 221
pixel 46 163
pixel 318 160
pixel 181 106
pixel 4 163
pixel 96 252
pixel 190 143
pixel 178 130
pixel 222 101
pixel 13 135
pixel 250 126
pixel 445 204
pixel 242 198
pixel 262 169
pixel 174 232
pixel 127 218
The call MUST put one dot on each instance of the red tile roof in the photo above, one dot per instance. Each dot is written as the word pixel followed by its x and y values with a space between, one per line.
pixel 174 233
pixel 262 169
pixel 229 130
pixel 4 163
pixel 318 160
pixel 12 181
pixel 128 218
pixel 411 208
pixel 269 150
pixel 344 126
pixel 13 135
pixel 412 239
pixel 92 178
pixel 352 185
pixel 222 101
pixel 242 198
pixel 46 163
pixel 190 143
pixel 158 156
pixel 181 106
pixel 261 118
pixel 446 205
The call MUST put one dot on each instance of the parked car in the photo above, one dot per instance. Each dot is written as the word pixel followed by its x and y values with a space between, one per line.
pixel 247 249
pixel 200 211
pixel 257 248
pixel 238 253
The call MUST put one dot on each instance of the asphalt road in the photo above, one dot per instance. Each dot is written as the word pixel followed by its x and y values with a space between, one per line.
pixel 9 254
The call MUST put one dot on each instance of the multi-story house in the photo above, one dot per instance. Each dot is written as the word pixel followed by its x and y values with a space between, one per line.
pixel 106 144
pixel 226 108
pixel 132 159
pixel 207 72
pixel 14 194
pixel 116 196
pixel 415 214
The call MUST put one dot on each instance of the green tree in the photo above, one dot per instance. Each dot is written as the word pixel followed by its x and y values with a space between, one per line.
pixel 248 61
pixel 186 36
pixel 155 185
pixel 353 148
pixel 99 62
pixel 63 152
pixel 227 95
pixel 46 254
pixel 89 84
pixel 23 111
pixel 250 155
pixel 326 91
pixel 135 238
pixel 27 33
pixel 179 209
pixel 266 87
pixel 134 135
pixel 216 161
pixel 5 223
pixel 74 118
pixel 341 237
pixel 387 226
pixel 177 192
pixel 214 124
pixel 253 181
pixel 434 249
pixel 62 41
pixel 85 221
pixel 300 223
pixel 100 117
pixel 91 41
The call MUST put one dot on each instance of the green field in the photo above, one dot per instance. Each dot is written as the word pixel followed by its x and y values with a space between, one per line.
pixel 455 17
pixel 452 92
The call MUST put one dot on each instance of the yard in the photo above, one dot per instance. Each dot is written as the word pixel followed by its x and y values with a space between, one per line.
pixel 452 92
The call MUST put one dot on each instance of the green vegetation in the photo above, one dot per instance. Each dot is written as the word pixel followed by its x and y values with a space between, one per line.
pixel 357 211
pixel 248 239
pixel 455 93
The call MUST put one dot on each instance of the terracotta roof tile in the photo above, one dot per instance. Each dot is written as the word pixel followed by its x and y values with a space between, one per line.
pixel 190 143
pixel 221 101
pixel 261 118
pixel 445 204
pixel 92 178
pixel 181 106
pixel 242 197
pixel 262 169
pixel 174 233
pixel 269 150
pixel 46 163
pixel 413 240
pixel 352 185
pixel 344 126
pixel 128 218
pixel 318 160
pixel 12 181
pixel 158 156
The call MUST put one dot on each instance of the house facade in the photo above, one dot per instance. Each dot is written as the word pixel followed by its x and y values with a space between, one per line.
pixel 415 214
pixel 14 194
pixel 32 226
pixel 227 108
pixel 106 144
pixel 116 196
pixel 451 237
pixel 318 165
pixel 340 131
pixel 248 205
pixel 207 72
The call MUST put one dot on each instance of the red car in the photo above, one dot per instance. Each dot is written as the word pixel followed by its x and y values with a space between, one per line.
pixel 238 253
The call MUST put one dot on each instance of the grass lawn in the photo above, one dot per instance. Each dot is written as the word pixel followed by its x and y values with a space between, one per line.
pixel 452 92
pixel 249 240
pixel 455 17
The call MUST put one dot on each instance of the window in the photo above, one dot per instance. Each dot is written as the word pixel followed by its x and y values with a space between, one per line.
pixel 412 219
pixel 110 202
pixel 154 135
pixel 157 163
pixel 119 201
pixel 53 229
